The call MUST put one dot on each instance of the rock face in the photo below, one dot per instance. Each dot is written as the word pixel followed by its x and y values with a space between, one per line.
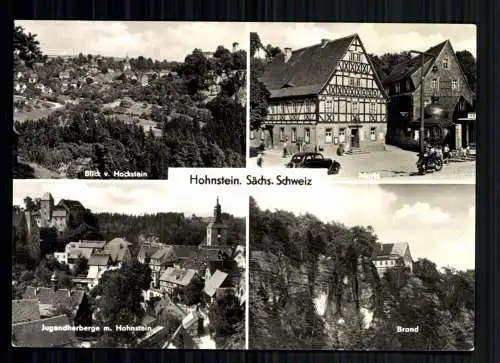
pixel 339 297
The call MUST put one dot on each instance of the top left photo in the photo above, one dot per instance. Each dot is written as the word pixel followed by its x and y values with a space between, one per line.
pixel 127 100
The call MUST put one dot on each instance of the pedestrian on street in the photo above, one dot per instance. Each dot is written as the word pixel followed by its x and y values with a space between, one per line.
pixel 285 153
pixel 260 160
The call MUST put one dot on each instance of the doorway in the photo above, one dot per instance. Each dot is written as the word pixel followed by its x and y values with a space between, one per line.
pixel 355 138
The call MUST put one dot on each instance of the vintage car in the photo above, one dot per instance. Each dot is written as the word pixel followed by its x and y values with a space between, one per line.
pixel 313 160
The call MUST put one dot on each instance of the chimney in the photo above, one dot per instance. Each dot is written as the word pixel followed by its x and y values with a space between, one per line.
pixel 288 54
pixel 324 42
pixel 53 281
pixel 235 47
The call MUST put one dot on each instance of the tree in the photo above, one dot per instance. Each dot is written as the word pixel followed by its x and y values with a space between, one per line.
pixel 255 43
pixel 26 47
pixel 196 71
pixel 468 64
pixel 259 96
pixel 385 63
pixel 225 314
pixel 31 205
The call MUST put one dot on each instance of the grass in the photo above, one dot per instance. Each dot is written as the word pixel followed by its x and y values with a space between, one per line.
pixel 32 115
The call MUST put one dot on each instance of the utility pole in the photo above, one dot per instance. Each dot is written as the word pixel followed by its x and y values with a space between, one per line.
pixel 422 113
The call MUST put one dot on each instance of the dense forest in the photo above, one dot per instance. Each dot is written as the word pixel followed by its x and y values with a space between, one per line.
pixel 313 286
pixel 383 64
pixel 198 128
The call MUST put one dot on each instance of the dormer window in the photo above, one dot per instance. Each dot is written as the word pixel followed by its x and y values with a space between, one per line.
pixel 445 63
pixel 434 68
pixel 435 83
pixel 454 84
pixel 397 88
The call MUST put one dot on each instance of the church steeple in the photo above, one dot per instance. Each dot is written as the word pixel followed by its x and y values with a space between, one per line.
pixel 217 212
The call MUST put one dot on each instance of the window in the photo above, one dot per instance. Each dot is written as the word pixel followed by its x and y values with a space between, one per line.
pixel 454 84
pixel 445 63
pixel 351 81
pixel 408 85
pixel 252 135
pixel 358 57
pixel 397 87
pixel 435 83
pixel 351 56
pixel 282 134
pixel 342 106
pixel 342 134
pixel 328 136
pixel 294 134
pixel 358 82
pixel 282 108
pixel 426 102
pixel 373 107
pixel 307 136
pixel 308 106
pixel 373 133
pixel 328 106
pixel 355 108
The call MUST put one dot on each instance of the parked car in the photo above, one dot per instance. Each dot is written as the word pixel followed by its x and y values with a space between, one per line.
pixel 313 160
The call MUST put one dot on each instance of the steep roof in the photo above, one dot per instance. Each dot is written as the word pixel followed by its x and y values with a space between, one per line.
pixel 215 281
pixel 25 310
pixel 91 244
pixel 307 70
pixel 117 249
pixel 165 304
pixel 215 253
pixel 183 251
pixel 386 250
pixel 30 334
pixel 99 259
pixel 47 296
pixel 178 276
pixel 406 69
pixel 47 196
pixel 147 251
pixel 70 204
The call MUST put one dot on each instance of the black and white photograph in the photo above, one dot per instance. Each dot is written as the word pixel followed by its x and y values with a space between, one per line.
pixel 127 99
pixel 364 101
pixel 363 267
pixel 127 264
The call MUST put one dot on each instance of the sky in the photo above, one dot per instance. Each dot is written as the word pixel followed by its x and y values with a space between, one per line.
pixel 133 197
pixel 438 221
pixel 159 40
pixel 377 38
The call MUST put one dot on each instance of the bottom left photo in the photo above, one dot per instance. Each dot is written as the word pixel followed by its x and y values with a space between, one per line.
pixel 127 264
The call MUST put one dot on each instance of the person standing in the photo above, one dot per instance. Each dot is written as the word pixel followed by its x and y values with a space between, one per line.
pixel 285 144
pixel 260 160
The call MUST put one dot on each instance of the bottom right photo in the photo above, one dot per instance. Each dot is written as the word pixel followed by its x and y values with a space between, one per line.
pixel 363 267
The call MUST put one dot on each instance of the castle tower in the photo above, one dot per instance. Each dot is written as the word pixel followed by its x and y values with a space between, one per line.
pixel 235 47
pixel 217 230
pixel 46 208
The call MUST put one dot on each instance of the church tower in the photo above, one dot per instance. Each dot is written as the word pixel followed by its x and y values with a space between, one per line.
pixel 46 208
pixel 217 230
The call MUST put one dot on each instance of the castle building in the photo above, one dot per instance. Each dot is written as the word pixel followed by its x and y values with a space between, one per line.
pixel 57 216
pixel 444 80
pixel 392 255
pixel 322 96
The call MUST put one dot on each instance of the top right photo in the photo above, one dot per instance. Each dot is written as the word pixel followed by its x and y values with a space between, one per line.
pixel 389 102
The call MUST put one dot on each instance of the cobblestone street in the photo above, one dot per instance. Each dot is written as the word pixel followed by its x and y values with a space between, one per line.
pixel 394 164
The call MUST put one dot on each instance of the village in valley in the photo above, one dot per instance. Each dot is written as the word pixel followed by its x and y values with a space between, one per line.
pixel 76 286
pixel 91 115
pixel 338 100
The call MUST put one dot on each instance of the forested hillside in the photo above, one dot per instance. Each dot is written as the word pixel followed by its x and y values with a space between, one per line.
pixel 313 286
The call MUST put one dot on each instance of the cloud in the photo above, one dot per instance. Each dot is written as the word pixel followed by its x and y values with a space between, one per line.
pixel 159 40
pixel 377 38
pixel 421 212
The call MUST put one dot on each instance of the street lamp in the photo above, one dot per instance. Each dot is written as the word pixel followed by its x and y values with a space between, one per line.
pixel 422 113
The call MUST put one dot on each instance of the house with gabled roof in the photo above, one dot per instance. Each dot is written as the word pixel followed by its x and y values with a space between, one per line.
pixel 444 82
pixel 118 250
pixel 392 255
pixel 30 334
pixel 175 277
pixel 322 96
pixel 25 310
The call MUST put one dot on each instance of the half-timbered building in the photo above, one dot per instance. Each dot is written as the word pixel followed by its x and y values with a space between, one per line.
pixel 323 96
pixel 446 83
